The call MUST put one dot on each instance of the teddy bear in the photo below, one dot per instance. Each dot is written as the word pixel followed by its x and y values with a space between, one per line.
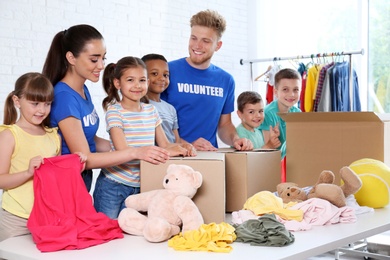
pixel 324 188
pixel 157 215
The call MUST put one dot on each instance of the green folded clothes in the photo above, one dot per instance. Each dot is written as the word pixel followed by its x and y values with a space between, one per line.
pixel 264 231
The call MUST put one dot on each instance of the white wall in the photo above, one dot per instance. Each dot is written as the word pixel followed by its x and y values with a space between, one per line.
pixel 130 27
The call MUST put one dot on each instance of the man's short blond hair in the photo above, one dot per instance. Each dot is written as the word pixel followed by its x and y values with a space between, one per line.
pixel 210 19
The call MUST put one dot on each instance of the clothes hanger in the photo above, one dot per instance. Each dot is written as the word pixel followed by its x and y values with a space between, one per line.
pixel 261 75
pixel 294 63
pixel 311 62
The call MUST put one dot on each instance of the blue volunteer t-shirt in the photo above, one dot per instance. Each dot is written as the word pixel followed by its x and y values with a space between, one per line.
pixel 69 103
pixel 200 97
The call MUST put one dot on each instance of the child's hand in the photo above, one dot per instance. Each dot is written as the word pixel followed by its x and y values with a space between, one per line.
pixel 243 144
pixel 274 130
pixel 176 149
pixel 152 154
pixel 274 133
pixel 274 143
pixel 34 164
pixel 83 159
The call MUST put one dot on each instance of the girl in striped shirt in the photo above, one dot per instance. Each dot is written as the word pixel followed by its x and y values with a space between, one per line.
pixel 130 121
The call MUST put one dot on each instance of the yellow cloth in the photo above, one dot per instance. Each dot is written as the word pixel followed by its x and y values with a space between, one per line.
pixel 19 200
pixel 266 202
pixel 311 87
pixel 209 237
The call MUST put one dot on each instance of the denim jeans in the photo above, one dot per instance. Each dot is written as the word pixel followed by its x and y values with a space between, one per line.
pixel 109 196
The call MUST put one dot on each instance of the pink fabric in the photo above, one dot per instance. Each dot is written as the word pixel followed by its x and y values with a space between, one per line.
pixel 63 216
pixel 319 212
pixel 239 217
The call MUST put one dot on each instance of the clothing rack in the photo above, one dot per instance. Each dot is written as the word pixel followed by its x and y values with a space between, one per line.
pixel 310 56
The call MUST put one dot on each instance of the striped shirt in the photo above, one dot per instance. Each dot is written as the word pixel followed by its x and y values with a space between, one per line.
pixel 139 129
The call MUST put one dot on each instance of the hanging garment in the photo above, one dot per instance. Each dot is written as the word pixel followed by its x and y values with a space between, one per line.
pixel 324 102
pixel 356 96
pixel 311 81
pixel 340 88
pixel 271 83
pixel 302 96
pixel 269 97
pixel 320 84
pixel 271 74
pixel 63 216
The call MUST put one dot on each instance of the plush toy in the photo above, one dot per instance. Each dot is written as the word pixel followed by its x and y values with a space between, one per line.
pixel 324 188
pixel 375 176
pixel 168 211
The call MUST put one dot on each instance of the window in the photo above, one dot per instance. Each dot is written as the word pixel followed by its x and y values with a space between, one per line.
pixel 379 56
pixel 304 27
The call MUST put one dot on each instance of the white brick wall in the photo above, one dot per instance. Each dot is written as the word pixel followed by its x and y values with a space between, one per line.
pixel 130 27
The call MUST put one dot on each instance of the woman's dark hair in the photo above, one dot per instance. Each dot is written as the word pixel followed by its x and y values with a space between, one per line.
pixel 74 40
pixel 115 71
pixel 32 86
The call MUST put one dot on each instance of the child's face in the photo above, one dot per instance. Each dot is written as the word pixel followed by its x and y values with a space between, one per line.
pixel 288 92
pixel 133 84
pixel 252 115
pixel 34 112
pixel 158 75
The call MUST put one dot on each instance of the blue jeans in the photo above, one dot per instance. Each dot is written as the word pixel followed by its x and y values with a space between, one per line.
pixel 109 196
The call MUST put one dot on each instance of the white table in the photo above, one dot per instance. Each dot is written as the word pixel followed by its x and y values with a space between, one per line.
pixel 307 243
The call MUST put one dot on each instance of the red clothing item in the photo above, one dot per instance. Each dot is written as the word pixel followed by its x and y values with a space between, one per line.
pixel 63 216
pixel 269 93
pixel 302 96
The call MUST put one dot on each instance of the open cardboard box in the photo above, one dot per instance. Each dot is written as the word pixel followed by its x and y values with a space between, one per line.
pixel 210 197
pixel 318 141
pixel 248 173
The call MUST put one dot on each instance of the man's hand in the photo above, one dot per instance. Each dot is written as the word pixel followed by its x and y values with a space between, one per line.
pixel 191 151
pixel 202 144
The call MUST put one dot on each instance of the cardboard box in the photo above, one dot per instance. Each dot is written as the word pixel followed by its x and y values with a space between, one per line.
pixel 210 197
pixel 248 173
pixel 318 141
